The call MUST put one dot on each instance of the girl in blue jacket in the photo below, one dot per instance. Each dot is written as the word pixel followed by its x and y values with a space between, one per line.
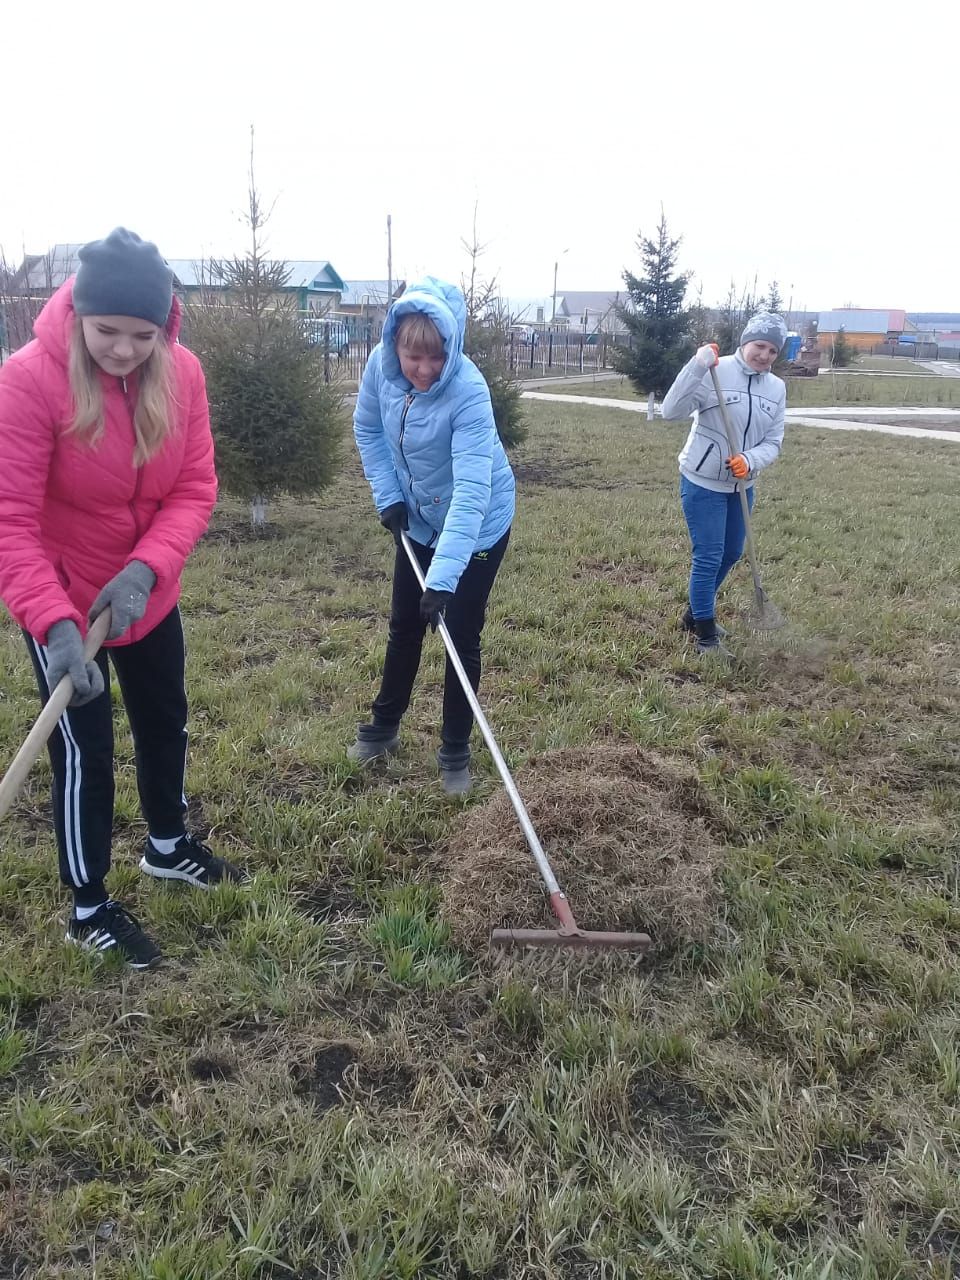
pixel 430 450
pixel 755 400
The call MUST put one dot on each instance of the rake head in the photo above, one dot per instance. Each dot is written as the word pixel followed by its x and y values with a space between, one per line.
pixel 765 615
pixel 569 933
pixel 577 939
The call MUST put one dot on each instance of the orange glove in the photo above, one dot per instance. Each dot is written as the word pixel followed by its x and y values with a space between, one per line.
pixel 708 355
pixel 739 466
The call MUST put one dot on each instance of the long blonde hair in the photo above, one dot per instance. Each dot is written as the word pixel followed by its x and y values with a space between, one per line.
pixel 155 414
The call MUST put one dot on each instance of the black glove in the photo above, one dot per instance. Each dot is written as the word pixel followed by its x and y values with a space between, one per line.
pixel 65 657
pixel 432 605
pixel 394 518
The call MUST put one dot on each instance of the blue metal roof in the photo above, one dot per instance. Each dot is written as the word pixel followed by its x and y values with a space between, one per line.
pixel 854 321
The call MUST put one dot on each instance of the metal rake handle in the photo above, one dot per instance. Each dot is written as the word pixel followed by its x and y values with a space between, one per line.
pixel 744 504
pixel 536 848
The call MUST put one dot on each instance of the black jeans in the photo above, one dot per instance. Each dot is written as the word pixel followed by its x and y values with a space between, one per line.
pixel 464 616
pixel 151 677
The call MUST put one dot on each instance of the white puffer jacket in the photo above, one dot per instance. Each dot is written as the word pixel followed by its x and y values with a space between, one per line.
pixel 755 406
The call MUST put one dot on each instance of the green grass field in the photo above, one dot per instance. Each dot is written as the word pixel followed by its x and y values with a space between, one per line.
pixel 826 389
pixel 329 1078
pixel 847 388
pixel 891 364
pixel 609 388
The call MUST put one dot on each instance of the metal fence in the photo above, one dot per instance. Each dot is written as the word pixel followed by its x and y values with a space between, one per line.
pixel 346 342
pixel 17 316
pixel 557 352
pixel 916 350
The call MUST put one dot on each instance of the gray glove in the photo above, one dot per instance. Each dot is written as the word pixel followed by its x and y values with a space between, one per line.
pixel 65 657
pixel 127 595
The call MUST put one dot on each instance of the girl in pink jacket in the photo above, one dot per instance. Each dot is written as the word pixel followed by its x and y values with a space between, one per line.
pixel 107 482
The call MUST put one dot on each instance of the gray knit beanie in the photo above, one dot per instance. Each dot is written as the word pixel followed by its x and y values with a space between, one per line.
pixel 123 276
pixel 765 327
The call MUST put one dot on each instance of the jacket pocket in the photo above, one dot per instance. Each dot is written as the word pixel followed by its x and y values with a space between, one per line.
pixel 706 454
pixel 435 510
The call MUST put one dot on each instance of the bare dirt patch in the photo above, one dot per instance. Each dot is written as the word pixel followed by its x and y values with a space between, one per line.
pixel 628 573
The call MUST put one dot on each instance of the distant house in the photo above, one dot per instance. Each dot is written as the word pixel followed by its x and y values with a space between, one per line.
pixel 530 311
pixel 936 321
pixel 27 287
pixel 593 312
pixel 368 299
pixel 863 328
pixel 316 284
pixel 40 273
pixel 578 311
pixel 940 327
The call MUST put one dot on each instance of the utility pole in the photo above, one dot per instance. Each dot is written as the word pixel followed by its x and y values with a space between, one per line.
pixel 555 267
pixel 389 262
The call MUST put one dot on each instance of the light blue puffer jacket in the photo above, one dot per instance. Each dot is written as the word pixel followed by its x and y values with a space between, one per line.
pixel 438 450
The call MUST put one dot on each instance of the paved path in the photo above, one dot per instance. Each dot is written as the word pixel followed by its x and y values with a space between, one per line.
pixel 873 411
pixel 605 375
pixel 795 417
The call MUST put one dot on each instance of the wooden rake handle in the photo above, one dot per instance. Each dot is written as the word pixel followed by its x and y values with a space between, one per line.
pixel 46 722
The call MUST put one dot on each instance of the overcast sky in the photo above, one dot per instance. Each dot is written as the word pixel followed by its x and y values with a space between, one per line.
pixel 815 144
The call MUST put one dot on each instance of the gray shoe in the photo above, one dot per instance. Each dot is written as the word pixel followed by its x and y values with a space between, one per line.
pixel 686 624
pixel 454 765
pixel 716 651
pixel 456 782
pixel 367 750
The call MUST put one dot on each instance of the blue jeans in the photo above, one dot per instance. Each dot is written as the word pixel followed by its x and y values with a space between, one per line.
pixel 715 521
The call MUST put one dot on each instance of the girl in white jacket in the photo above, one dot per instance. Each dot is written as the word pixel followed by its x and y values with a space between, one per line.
pixel 755 400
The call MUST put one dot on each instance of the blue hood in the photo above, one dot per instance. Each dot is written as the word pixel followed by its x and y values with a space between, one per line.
pixel 445 305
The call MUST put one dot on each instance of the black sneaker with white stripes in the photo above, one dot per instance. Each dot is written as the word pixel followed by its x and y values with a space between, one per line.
pixel 113 928
pixel 191 861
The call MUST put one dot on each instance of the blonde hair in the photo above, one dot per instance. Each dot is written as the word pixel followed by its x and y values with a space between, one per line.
pixel 418 332
pixel 155 414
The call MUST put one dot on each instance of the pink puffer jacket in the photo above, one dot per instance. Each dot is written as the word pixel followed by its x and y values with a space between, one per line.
pixel 72 515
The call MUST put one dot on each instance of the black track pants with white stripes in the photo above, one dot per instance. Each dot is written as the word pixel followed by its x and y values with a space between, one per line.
pixel 150 673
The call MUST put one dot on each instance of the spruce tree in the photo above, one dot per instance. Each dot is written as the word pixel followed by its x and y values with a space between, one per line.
pixel 657 322
pixel 484 342
pixel 276 421
pixel 735 310
pixel 843 350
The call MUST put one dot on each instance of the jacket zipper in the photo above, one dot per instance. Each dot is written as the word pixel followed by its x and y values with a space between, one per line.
pixel 750 378
pixel 407 402
pixel 139 479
